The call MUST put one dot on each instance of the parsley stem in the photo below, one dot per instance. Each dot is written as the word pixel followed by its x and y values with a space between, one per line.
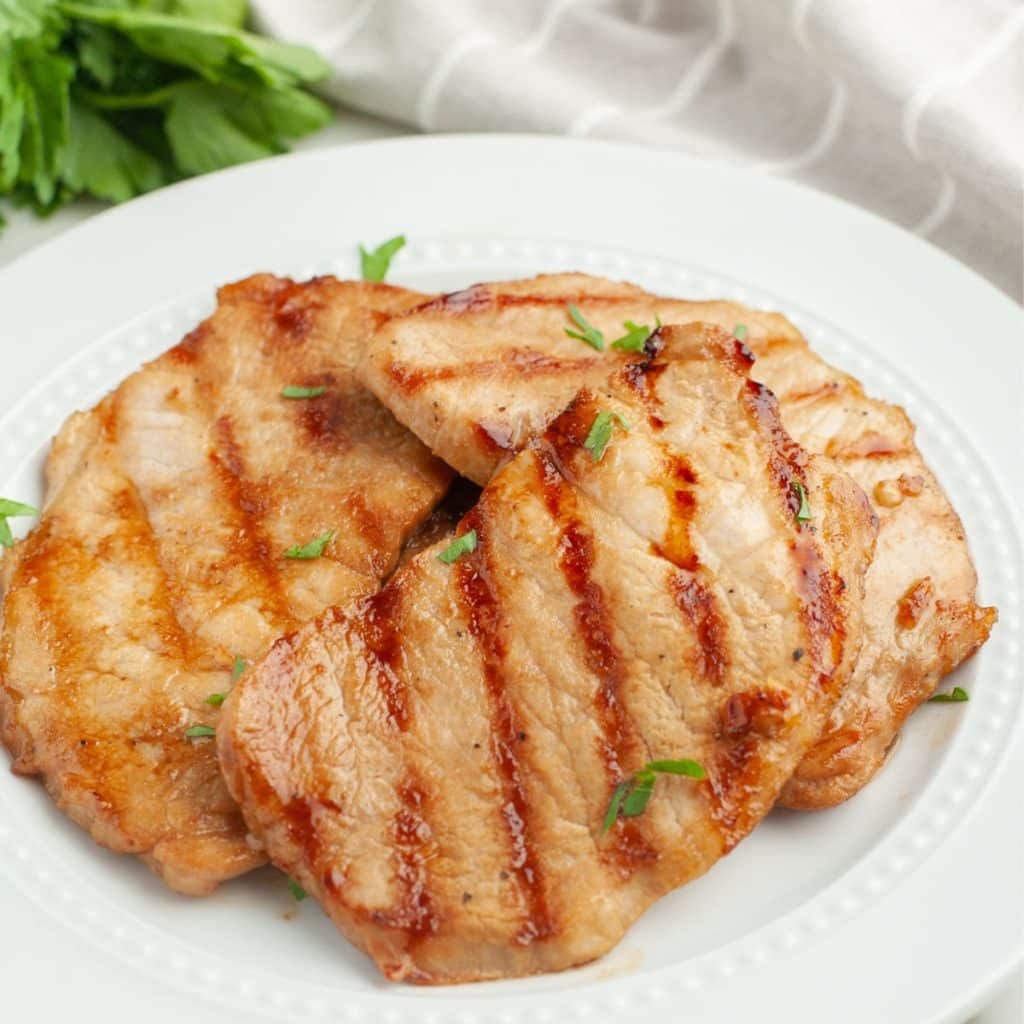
pixel 129 101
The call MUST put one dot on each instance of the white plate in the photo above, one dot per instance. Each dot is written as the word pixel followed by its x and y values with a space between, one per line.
pixel 902 905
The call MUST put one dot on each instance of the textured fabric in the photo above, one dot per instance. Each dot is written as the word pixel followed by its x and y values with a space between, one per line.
pixel 911 108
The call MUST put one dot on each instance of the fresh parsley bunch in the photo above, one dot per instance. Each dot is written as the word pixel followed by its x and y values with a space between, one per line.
pixel 111 98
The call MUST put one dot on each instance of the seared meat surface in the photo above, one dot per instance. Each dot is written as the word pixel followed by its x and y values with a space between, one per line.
pixel 435 763
pixel 159 559
pixel 478 373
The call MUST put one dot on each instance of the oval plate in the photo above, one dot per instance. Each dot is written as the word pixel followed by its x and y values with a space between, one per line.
pixel 903 904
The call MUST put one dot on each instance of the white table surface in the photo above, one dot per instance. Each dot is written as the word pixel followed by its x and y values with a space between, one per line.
pixel 24 232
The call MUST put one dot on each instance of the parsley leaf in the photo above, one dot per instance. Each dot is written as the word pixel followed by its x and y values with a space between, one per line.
pixel 460 546
pixel 12 510
pixel 635 337
pixel 740 332
pixel 591 335
pixel 631 797
pixel 197 732
pixel 294 391
pixel 216 699
pixel 601 433
pixel 112 98
pixel 374 265
pixel 237 668
pixel 803 513
pixel 958 696
pixel 314 549
pixel 101 161
pixel 296 890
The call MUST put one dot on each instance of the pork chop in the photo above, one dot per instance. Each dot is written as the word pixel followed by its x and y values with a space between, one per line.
pixel 438 763
pixel 158 561
pixel 478 373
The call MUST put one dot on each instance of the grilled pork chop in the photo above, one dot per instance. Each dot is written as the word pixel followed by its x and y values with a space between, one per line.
pixel 477 373
pixel 158 560
pixel 436 763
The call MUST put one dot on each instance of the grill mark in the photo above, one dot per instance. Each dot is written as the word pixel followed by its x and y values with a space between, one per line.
pixel 522 363
pixel 700 609
pixel 479 297
pixel 619 743
pixel 678 483
pixel 493 438
pixel 818 587
pixel 129 507
pixel 187 351
pixel 294 312
pixel 252 544
pixel 414 913
pixel 378 626
pixel 910 606
pixel 870 445
pixel 369 524
pixel 486 623
pixel 642 379
pixel 323 417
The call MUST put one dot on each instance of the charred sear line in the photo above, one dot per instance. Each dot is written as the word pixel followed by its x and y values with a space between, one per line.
pixel 379 627
pixel 818 587
pixel 620 745
pixel 697 604
pixel 517 362
pixel 485 619
pixel 253 546
pixel 414 913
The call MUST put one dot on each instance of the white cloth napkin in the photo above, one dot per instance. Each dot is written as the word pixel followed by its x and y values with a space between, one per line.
pixel 912 108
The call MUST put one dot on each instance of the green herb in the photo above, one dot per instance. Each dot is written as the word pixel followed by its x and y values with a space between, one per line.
pixel 740 331
pixel 216 699
pixel 111 98
pixel 958 696
pixel 803 513
pixel 195 732
pixel 460 546
pixel 630 798
pixel 375 264
pixel 293 391
pixel 314 549
pixel 296 890
pixel 237 668
pixel 11 509
pixel 591 335
pixel 601 433
pixel 636 336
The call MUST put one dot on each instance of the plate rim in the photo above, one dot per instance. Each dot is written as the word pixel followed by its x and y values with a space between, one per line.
pixel 42 253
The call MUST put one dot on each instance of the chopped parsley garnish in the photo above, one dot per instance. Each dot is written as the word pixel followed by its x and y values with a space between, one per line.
pixel 601 433
pixel 803 513
pixel 314 549
pixel 12 509
pixel 294 391
pixel 460 546
pixel 631 797
pixel 237 668
pixel 376 263
pixel 591 335
pixel 216 699
pixel 636 336
pixel 197 732
pixel 740 331
pixel 296 890
pixel 958 696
